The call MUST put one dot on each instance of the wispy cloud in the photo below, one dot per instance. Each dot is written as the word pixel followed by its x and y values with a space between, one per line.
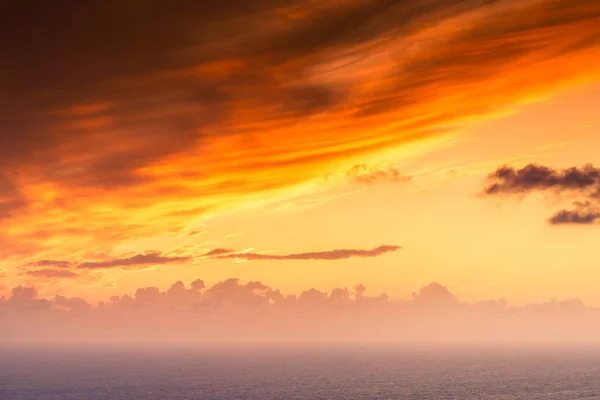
pixel 52 273
pixel 50 263
pixel 362 173
pixel 218 252
pixel 139 259
pixel 67 268
pixel 329 255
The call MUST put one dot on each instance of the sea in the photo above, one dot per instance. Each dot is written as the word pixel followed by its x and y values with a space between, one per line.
pixel 304 373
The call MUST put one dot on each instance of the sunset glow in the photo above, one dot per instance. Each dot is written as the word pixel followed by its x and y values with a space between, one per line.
pixel 297 146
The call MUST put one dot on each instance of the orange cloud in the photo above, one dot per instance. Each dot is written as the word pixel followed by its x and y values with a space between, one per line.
pixel 135 131
pixel 361 173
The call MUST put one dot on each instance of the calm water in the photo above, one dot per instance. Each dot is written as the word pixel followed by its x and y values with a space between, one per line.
pixel 309 374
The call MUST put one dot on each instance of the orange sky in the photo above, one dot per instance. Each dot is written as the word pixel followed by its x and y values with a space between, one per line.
pixel 290 128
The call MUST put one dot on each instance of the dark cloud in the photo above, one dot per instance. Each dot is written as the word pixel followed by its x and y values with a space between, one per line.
pixel 533 177
pixel 581 182
pixel 583 213
pixel 361 173
pixel 137 260
pixel 52 273
pixel 320 255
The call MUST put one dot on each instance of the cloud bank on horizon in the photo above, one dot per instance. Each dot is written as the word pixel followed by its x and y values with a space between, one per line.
pixel 114 128
pixel 235 312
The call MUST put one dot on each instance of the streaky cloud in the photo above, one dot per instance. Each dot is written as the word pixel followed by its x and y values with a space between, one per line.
pixel 50 263
pixel 329 255
pixel 139 259
pixel 52 273
pixel 218 252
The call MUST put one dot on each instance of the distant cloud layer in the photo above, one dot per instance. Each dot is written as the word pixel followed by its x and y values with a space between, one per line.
pixel 234 312
pixel 582 182
pixel 329 255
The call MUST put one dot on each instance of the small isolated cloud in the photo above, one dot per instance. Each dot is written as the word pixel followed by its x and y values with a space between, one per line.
pixel 583 213
pixel 583 182
pixel 533 177
pixel 361 173
pixel 319 255
pixel 139 259
pixel 52 273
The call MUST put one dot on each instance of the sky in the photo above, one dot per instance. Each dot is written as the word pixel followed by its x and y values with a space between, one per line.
pixel 300 145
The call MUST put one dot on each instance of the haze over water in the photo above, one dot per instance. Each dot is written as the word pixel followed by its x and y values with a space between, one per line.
pixel 301 373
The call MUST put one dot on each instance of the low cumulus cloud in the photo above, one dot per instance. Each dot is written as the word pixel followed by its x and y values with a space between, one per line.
pixel 329 255
pixel 583 213
pixel 582 182
pixel 232 311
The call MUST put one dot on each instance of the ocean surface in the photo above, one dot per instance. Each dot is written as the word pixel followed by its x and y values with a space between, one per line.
pixel 263 374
